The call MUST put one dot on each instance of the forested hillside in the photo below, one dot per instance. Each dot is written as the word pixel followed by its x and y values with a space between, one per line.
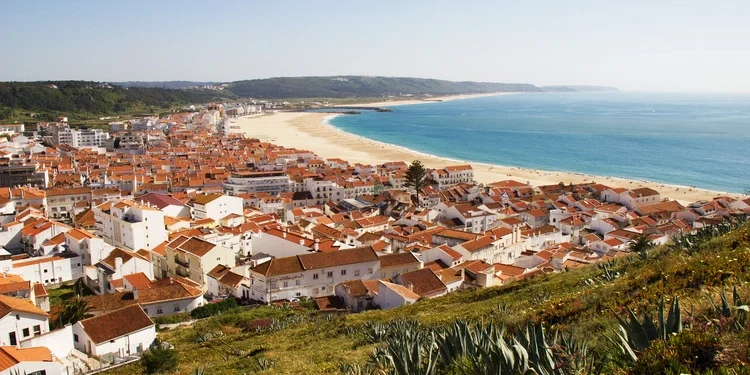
pixel 365 86
pixel 79 97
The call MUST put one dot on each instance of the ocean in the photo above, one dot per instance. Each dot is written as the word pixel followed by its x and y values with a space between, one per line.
pixel 681 139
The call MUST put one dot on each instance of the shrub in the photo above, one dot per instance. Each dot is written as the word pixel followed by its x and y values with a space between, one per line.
pixel 687 352
pixel 159 360
pixel 212 309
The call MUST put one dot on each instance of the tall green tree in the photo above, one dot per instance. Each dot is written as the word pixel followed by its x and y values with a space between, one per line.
pixel 415 177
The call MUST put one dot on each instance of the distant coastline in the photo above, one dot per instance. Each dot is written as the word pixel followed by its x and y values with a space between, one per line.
pixel 314 132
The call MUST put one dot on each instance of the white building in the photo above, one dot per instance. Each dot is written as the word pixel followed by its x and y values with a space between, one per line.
pixel 20 320
pixel 115 334
pixel 81 137
pixel 130 225
pixel 49 269
pixel 215 206
pixel 272 182
pixel 30 361
pixel 311 275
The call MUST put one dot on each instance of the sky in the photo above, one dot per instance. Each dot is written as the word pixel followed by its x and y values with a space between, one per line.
pixel 657 45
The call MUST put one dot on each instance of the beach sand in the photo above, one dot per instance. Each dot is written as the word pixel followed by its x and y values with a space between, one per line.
pixel 307 131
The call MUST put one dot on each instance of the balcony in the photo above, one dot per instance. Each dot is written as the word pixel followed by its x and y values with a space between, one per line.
pixel 183 272
pixel 182 262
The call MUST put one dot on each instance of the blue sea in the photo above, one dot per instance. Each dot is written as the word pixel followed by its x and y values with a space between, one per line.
pixel 682 139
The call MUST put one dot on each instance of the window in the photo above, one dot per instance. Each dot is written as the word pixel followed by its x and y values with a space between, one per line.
pixel 26 332
pixel 315 276
pixel 382 275
pixel 45 271
pixel 297 282
pixel 158 311
pixel 343 272
pixel 176 307
pixel 144 310
pixel 75 337
pixel 369 271
pixel 12 337
pixel 37 330
pixel 356 272
pixel 286 284
pixel 330 274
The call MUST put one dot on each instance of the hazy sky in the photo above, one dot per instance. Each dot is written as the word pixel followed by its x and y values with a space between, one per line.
pixel 634 45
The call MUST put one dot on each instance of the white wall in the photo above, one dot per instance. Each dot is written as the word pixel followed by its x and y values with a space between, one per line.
pixel 121 346
pixel 10 323
pixel 173 307
pixel 59 342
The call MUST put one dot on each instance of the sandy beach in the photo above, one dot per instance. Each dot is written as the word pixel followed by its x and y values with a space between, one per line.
pixel 308 131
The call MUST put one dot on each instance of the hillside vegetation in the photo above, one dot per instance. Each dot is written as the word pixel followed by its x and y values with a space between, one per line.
pixel 365 86
pixel 81 98
pixel 563 323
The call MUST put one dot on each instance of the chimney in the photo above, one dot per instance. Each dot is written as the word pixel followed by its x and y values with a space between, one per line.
pixel 302 242
pixel 410 286
pixel 171 281
pixel 118 263
pixel 317 245
pixel 283 234
pixel 135 293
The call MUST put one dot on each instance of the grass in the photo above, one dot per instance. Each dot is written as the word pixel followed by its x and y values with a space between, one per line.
pixel 67 292
pixel 563 301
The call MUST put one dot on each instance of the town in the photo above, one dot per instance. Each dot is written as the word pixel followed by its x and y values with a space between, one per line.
pixel 158 216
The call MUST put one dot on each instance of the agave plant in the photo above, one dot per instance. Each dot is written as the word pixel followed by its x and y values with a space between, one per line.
pixel 264 363
pixel 737 311
pixel 636 335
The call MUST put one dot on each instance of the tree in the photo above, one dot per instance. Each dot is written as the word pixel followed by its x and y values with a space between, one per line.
pixel 159 360
pixel 415 176
pixel 641 245
pixel 75 310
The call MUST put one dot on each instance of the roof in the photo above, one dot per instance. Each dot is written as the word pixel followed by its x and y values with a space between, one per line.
pixel 206 198
pixel 299 263
pixel 396 260
pixel 11 356
pixel 423 282
pixel 163 290
pixel 400 289
pixel 159 200
pixel 192 245
pixel 11 304
pixel 138 280
pixel 114 324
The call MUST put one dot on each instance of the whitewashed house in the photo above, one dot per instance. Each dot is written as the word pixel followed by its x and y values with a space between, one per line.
pixel 115 334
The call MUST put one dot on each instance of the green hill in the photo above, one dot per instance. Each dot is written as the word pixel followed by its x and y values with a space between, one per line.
pixel 576 308
pixel 364 86
pixel 82 98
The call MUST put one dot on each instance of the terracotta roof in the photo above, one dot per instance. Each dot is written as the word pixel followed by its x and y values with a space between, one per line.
pixel 114 324
pixel 400 259
pixel 163 290
pixel 337 258
pixel 40 290
pixel 10 304
pixel 11 356
pixel 192 245
pixel 423 281
pixel 138 280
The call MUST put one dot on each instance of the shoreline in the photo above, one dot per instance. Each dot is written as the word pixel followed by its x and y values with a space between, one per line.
pixel 313 132
pixel 435 99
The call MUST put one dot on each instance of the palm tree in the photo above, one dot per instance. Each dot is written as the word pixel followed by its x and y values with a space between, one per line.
pixel 641 245
pixel 75 310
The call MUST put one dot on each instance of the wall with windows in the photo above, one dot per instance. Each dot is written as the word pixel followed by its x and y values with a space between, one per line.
pixel 18 326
